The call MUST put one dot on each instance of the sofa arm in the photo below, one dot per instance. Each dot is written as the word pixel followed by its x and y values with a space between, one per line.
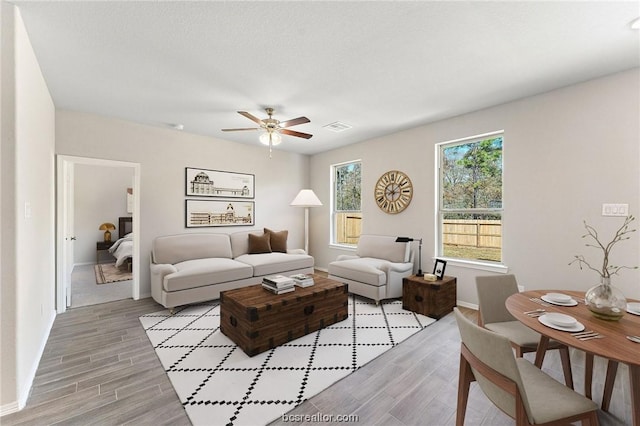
pixel 158 272
pixel 346 257
pixel 162 269
pixel 398 267
pixel 395 273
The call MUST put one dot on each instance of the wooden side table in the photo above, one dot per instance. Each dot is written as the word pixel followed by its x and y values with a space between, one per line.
pixel 102 246
pixel 434 299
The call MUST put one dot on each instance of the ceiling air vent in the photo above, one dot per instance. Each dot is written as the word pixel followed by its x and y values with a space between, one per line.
pixel 337 127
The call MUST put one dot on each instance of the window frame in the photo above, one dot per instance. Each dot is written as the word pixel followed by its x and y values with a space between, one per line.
pixel 440 211
pixel 333 212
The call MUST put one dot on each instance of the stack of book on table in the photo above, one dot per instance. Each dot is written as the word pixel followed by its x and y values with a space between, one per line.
pixel 302 280
pixel 278 284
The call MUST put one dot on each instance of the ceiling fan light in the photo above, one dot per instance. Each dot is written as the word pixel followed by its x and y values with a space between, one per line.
pixel 275 138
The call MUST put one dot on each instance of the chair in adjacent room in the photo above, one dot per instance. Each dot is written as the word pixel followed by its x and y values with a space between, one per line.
pixel 493 291
pixel 514 385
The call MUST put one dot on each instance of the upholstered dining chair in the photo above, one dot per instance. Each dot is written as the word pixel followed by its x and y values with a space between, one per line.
pixel 493 291
pixel 514 385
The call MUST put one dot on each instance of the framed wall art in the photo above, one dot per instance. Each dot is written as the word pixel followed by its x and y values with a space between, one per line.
pixel 208 213
pixel 438 268
pixel 216 183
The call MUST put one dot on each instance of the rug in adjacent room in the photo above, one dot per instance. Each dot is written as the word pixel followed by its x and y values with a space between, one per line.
pixel 218 384
pixel 109 273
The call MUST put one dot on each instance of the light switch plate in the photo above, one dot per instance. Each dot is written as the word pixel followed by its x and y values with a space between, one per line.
pixel 615 209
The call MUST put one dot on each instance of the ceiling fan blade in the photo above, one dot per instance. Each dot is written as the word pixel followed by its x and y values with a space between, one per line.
pixel 244 128
pixel 294 133
pixel 251 117
pixel 294 122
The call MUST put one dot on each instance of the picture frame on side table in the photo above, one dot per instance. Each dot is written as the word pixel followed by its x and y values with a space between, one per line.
pixel 211 213
pixel 217 183
pixel 439 267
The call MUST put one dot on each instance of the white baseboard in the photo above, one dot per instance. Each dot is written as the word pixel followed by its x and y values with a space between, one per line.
pixel 26 387
pixel 9 408
pixel 467 305
pixel 321 269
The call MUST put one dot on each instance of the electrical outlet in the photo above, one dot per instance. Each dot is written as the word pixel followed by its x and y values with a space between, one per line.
pixel 615 209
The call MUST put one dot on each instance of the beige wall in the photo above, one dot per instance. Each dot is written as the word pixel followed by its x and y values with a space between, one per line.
pixel 100 196
pixel 28 292
pixel 565 153
pixel 8 394
pixel 163 155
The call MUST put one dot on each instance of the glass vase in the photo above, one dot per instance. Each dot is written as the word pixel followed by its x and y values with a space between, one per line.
pixel 605 301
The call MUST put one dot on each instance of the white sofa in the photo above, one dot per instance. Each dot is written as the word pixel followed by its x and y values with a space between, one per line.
pixel 377 269
pixel 195 267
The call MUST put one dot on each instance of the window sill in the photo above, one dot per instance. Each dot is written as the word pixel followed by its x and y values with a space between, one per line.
pixel 342 247
pixel 470 264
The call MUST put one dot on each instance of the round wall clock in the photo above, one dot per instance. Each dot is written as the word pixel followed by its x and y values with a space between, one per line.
pixel 393 192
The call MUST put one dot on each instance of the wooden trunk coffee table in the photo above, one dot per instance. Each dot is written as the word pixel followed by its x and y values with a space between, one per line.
pixel 258 320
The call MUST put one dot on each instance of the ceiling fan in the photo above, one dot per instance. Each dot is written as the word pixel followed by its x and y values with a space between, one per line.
pixel 273 128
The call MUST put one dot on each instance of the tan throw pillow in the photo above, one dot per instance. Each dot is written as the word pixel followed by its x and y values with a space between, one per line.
pixel 259 243
pixel 278 240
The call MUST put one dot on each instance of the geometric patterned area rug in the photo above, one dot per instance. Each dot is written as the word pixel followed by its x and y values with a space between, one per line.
pixel 218 384
pixel 109 273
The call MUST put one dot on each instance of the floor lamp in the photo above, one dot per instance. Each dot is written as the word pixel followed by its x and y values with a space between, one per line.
pixel 306 198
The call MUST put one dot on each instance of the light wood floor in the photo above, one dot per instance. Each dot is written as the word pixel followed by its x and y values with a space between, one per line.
pixel 99 368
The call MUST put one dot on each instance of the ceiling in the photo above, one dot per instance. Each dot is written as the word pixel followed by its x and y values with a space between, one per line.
pixel 379 67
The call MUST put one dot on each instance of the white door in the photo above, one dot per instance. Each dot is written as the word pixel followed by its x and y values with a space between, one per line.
pixel 69 236
pixel 66 236
pixel 65 228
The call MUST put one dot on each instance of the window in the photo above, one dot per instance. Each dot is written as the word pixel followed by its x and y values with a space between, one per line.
pixel 470 198
pixel 346 205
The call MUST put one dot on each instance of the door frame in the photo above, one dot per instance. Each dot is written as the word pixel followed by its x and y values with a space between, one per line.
pixel 64 163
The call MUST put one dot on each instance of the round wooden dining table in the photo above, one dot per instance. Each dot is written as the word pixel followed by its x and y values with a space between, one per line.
pixel 614 346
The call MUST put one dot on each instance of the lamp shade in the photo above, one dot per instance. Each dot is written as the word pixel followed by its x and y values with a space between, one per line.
pixel 274 136
pixel 404 240
pixel 306 198
pixel 107 227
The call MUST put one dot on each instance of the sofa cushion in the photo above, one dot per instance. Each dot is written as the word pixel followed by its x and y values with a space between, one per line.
pixel 259 243
pixel 275 263
pixel 240 242
pixel 178 248
pixel 364 270
pixel 278 240
pixel 383 247
pixel 203 272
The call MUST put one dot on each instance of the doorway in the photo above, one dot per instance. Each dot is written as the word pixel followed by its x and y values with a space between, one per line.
pixel 67 235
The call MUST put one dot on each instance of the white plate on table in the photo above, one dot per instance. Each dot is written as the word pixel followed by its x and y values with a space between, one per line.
pixel 560 320
pixel 559 297
pixel 572 302
pixel 578 326
pixel 633 308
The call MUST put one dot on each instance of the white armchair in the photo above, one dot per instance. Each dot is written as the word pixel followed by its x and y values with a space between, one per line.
pixel 377 269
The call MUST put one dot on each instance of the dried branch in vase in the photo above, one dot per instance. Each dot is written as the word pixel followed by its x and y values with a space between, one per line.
pixel 621 234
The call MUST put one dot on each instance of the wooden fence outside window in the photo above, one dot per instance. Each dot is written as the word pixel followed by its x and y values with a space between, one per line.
pixel 472 233
pixel 466 233
pixel 348 227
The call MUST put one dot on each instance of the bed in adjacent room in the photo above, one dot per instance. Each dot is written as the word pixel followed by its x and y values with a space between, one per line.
pixel 122 249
